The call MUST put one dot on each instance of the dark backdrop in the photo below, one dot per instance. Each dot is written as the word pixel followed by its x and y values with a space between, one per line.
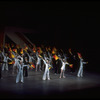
pixel 64 24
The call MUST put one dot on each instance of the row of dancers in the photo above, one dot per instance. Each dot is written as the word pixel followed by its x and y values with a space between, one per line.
pixel 39 59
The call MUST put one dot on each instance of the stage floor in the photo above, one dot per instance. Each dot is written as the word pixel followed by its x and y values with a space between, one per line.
pixel 34 87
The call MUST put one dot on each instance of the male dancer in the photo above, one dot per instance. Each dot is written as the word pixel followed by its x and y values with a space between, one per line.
pixel 47 66
pixel 5 64
pixel 20 67
pixel 80 72
pixel 38 63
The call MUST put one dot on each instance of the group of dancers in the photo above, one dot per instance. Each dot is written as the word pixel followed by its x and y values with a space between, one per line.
pixel 38 58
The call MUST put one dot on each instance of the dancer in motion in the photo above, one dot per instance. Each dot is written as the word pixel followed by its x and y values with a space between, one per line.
pixel 80 71
pixel 38 63
pixel 47 67
pixel 63 67
pixel 5 65
pixel 20 67
pixel 15 64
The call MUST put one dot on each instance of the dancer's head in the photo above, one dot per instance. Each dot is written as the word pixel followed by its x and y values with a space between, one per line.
pixel 20 61
pixel 47 60
pixel 64 60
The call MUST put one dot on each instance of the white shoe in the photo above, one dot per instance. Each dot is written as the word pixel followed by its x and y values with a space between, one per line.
pixel 48 78
pixel 78 76
pixel 64 77
pixel 59 77
pixel 43 79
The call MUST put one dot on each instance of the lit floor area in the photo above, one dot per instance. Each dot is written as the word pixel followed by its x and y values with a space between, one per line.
pixel 34 87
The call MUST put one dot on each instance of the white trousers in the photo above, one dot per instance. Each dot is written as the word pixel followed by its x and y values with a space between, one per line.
pixel 46 73
pixel 19 76
pixel 4 66
pixel 80 72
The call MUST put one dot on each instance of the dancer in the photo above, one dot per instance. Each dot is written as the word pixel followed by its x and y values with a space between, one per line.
pixel 80 71
pixel 20 67
pixel 5 64
pixel 63 67
pixel 47 67
pixel 21 57
pixel 25 69
pixel 15 63
pixel 38 63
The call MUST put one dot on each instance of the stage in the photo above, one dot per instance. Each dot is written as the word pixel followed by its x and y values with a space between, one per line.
pixel 34 87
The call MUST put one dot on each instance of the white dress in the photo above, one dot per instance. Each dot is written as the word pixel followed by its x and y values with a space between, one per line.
pixel 63 65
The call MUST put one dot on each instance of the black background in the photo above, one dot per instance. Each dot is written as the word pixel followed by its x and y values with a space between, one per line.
pixel 64 24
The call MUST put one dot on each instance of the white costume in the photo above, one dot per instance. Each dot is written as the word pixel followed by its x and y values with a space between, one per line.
pixel 31 59
pixel 15 64
pixel 5 65
pixel 63 65
pixel 80 72
pixel 16 61
pixel 20 57
pixel 38 63
pixel 20 72
pixel 46 73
